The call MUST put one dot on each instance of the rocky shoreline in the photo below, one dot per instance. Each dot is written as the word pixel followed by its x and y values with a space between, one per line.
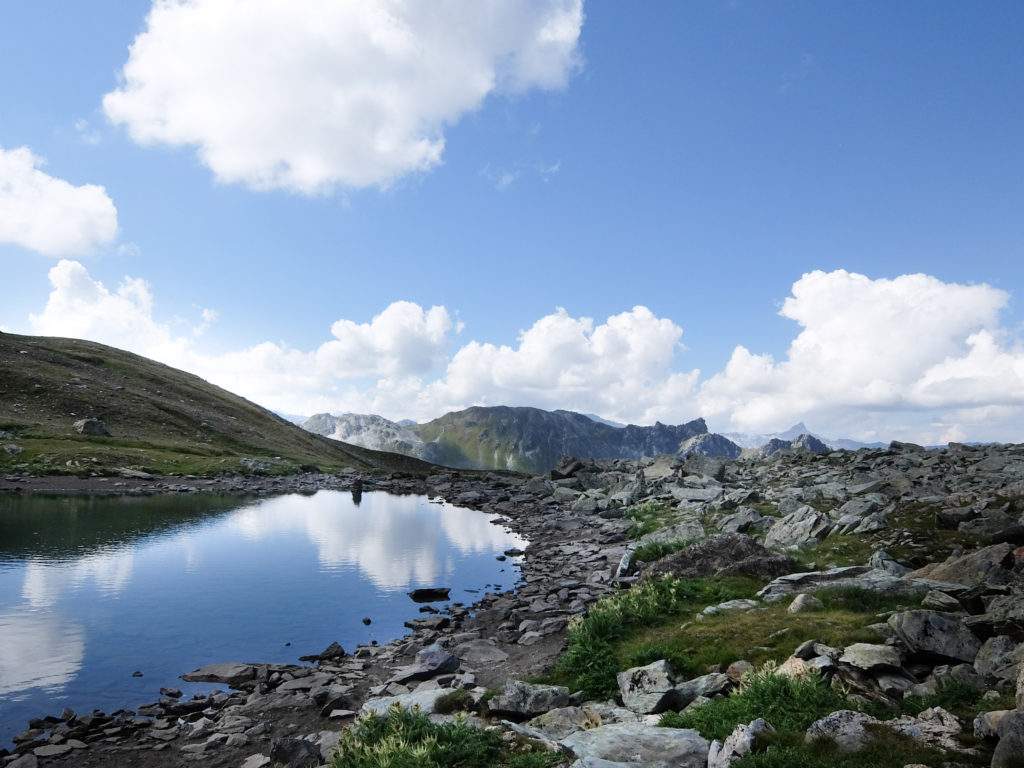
pixel 953 519
pixel 263 709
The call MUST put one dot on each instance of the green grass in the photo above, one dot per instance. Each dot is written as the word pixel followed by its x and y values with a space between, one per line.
pixel 656 550
pixel 788 703
pixel 404 738
pixel 599 644
pixel 648 517
pixel 791 705
pixel 656 621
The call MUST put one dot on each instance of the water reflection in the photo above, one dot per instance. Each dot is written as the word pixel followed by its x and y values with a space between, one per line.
pixel 90 592
pixel 393 540
pixel 109 571
pixel 43 651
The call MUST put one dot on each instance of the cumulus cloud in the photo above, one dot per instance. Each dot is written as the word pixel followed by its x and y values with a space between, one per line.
pixel 871 347
pixel 620 368
pixel 49 215
pixel 312 94
pixel 909 358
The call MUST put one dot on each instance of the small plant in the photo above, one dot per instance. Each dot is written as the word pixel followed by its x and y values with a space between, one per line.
pixel 406 738
pixel 788 703
pixel 458 700
pixel 649 517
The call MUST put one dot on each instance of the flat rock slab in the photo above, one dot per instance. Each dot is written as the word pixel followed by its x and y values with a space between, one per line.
pixel 640 745
pixel 425 700
pixel 231 674
pixel 476 652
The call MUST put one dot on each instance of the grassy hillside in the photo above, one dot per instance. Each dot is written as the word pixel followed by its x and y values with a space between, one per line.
pixel 160 419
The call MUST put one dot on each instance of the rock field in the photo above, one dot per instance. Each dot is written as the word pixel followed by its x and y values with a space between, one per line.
pixel 943 525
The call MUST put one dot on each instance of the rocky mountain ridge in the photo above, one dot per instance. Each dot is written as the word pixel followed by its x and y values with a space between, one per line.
pixel 532 440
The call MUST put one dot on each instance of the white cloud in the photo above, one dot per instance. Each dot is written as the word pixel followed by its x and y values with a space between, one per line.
pixel 49 215
pixel 868 348
pixel 909 358
pixel 621 369
pixel 312 94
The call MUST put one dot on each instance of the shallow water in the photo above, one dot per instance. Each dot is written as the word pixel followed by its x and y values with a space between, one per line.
pixel 93 590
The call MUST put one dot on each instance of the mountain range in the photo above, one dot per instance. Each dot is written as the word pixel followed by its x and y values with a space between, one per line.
pixel 533 440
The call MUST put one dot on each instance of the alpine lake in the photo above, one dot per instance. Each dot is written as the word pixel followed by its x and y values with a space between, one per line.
pixel 106 599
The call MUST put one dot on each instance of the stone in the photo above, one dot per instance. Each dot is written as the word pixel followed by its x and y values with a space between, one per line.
pixel 1010 748
pixel 649 689
pixel 804 602
pixel 862 576
pixel 430 661
pixel 845 728
pixel 256 761
pixel 987 723
pixel 525 700
pixel 705 686
pixel 425 700
pixel 934 726
pixel 802 528
pixel 932 633
pixel 52 750
pixel 869 657
pixel 724 553
pixel 638 744
pixel 559 723
pixel 881 560
pixel 430 594
pixel 25 761
pixel 231 675
pixel 294 753
pixel 738 744
pixel 92 428
pixel 999 657
pixel 989 565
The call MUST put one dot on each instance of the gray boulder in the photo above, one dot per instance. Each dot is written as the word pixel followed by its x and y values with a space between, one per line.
pixel 635 744
pixel 430 661
pixel 649 689
pixel 868 656
pixel 738 744
pixel 935 634
pixel 521 700
pixel 92 428
pixel 989 565
pixel 862 576
pixel 845 728
pixel 1010 748
pixel 803 528
pixel 231 674
pixel 999 657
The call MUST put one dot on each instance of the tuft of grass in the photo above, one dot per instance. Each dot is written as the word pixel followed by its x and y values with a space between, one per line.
pixel 458 700
pixel 404 738
pixel 597 644
pixel 656 550
pixel 648 517
pixel 790 704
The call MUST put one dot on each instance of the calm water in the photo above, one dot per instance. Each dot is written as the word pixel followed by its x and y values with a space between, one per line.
pixel 93 590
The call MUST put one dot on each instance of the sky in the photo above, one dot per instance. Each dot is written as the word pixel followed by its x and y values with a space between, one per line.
pixel 753 212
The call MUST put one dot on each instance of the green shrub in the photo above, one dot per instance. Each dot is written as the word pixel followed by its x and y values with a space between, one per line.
pixel 404 738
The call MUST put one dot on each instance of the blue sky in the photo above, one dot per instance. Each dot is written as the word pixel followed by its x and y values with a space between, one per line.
pixel 758 212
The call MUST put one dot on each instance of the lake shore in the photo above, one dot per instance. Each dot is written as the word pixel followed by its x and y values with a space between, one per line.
pixel 569 563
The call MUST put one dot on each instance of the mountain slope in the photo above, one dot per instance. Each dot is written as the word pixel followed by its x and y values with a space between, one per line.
pixel 520 439
pixel 160 419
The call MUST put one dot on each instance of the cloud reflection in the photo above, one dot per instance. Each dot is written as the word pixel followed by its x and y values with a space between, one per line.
pixel 45 580
pixel 38 651
pixel 393 540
